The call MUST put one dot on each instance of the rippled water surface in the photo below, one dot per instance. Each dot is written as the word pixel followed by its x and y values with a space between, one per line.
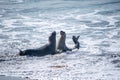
pixel 27 24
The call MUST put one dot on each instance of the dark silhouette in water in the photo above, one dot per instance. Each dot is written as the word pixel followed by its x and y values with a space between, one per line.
pixel 75 40
pixel 51 47
pixel 44 50
pixel 61 45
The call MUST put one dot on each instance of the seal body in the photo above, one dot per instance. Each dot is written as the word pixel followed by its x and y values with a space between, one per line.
pixel 49 48
pixel 61 45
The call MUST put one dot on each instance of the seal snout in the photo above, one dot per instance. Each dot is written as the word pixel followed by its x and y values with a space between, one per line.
pixel 21 53
pixel 54 33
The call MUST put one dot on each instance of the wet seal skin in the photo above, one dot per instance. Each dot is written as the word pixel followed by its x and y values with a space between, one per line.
pixel 49 48
pixel 61 45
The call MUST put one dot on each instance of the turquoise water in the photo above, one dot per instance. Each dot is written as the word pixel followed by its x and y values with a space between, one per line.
pixel 27 24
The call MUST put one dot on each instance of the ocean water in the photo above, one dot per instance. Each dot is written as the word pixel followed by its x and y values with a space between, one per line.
pixel 26 24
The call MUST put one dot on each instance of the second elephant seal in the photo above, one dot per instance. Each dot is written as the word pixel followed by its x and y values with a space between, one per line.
pixel 61 45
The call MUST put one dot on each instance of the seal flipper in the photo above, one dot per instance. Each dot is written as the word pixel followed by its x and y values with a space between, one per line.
pixel 78 37
pixel 77 45
pixel 75 40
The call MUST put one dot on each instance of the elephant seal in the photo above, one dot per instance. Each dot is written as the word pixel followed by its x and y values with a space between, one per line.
pixel 49 48
pixel 61 45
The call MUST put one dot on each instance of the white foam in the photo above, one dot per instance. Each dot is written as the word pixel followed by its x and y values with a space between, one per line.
pixel 61 66
pixel 35 23
pixel 24 17
pixel 111 33
pixel 0 15
pixel 8 23
pixel 17 1
pixel 114 47
pixel 96 18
